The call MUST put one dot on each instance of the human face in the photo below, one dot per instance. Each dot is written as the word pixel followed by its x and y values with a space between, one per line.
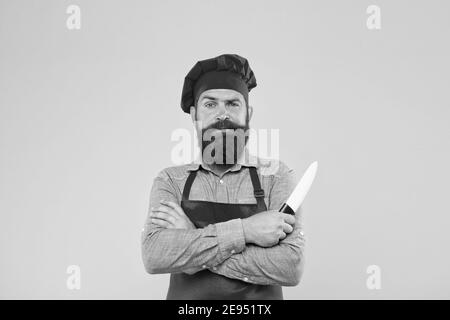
pixel 225 111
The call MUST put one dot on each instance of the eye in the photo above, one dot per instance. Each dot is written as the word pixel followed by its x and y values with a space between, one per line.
pixel 210 104
pixel 235 104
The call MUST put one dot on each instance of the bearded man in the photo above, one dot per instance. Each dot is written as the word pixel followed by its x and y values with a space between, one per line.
pixel 214 224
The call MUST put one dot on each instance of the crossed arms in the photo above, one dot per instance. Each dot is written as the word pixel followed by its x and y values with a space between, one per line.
pixel 222 247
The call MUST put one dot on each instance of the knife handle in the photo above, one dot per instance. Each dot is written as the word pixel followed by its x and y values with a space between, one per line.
pixel 285 208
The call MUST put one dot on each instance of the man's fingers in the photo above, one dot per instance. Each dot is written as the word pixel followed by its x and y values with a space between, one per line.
pixel 287 228
pixel 163 216
pixel 289 218
pixel 283 235
pixel 167 210
pixel 175 207
pixel 162 223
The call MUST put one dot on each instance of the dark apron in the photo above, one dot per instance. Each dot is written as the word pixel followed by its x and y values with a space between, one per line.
pixel 206 284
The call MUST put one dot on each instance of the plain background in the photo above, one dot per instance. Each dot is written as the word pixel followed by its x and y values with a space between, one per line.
pixel 86 118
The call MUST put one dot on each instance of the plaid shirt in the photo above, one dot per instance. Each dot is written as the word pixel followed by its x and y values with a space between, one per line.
pixel 221 247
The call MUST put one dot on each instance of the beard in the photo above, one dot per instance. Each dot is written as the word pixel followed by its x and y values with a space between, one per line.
pixel 223 142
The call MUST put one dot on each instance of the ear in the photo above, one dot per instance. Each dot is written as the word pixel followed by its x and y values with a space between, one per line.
pixel 250 112
pixel 192 111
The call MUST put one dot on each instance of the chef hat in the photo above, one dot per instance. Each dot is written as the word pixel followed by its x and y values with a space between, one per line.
pixel 227 71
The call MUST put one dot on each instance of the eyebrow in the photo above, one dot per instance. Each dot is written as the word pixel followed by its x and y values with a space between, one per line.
pixel 228 100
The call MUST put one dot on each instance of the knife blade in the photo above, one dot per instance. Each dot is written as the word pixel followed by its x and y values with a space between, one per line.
pixel 297 196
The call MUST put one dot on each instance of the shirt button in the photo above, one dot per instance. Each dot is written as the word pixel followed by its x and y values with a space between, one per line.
pixel 232 251
pixel 214 268
pixel 204 266
pixel 245 279
pixel 221 181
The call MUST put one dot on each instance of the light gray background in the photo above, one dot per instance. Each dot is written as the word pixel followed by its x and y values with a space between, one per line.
pixel 86 118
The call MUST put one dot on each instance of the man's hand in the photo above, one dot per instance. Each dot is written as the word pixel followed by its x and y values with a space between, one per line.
pixel 171 216
pixel 267 228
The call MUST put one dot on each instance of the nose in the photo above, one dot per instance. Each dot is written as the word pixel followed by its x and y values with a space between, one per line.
pixel 222 112
pixel 223 117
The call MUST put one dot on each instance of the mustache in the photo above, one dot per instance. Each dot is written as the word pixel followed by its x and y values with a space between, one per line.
pixel 225 124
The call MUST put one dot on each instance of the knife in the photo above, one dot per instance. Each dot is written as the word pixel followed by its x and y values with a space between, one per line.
pixel 298 195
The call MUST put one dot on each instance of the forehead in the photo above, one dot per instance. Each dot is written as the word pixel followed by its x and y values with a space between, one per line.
pixel 221 94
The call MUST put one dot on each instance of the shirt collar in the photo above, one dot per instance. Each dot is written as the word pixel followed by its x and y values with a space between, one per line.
pixel 245 160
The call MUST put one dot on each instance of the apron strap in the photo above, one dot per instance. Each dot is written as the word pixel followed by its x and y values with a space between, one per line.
pixel 257 190
pixel 188 184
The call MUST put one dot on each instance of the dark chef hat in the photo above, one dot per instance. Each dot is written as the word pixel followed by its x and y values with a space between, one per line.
pixel 227 71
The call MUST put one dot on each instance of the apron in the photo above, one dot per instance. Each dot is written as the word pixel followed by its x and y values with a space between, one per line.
pixel 206 284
